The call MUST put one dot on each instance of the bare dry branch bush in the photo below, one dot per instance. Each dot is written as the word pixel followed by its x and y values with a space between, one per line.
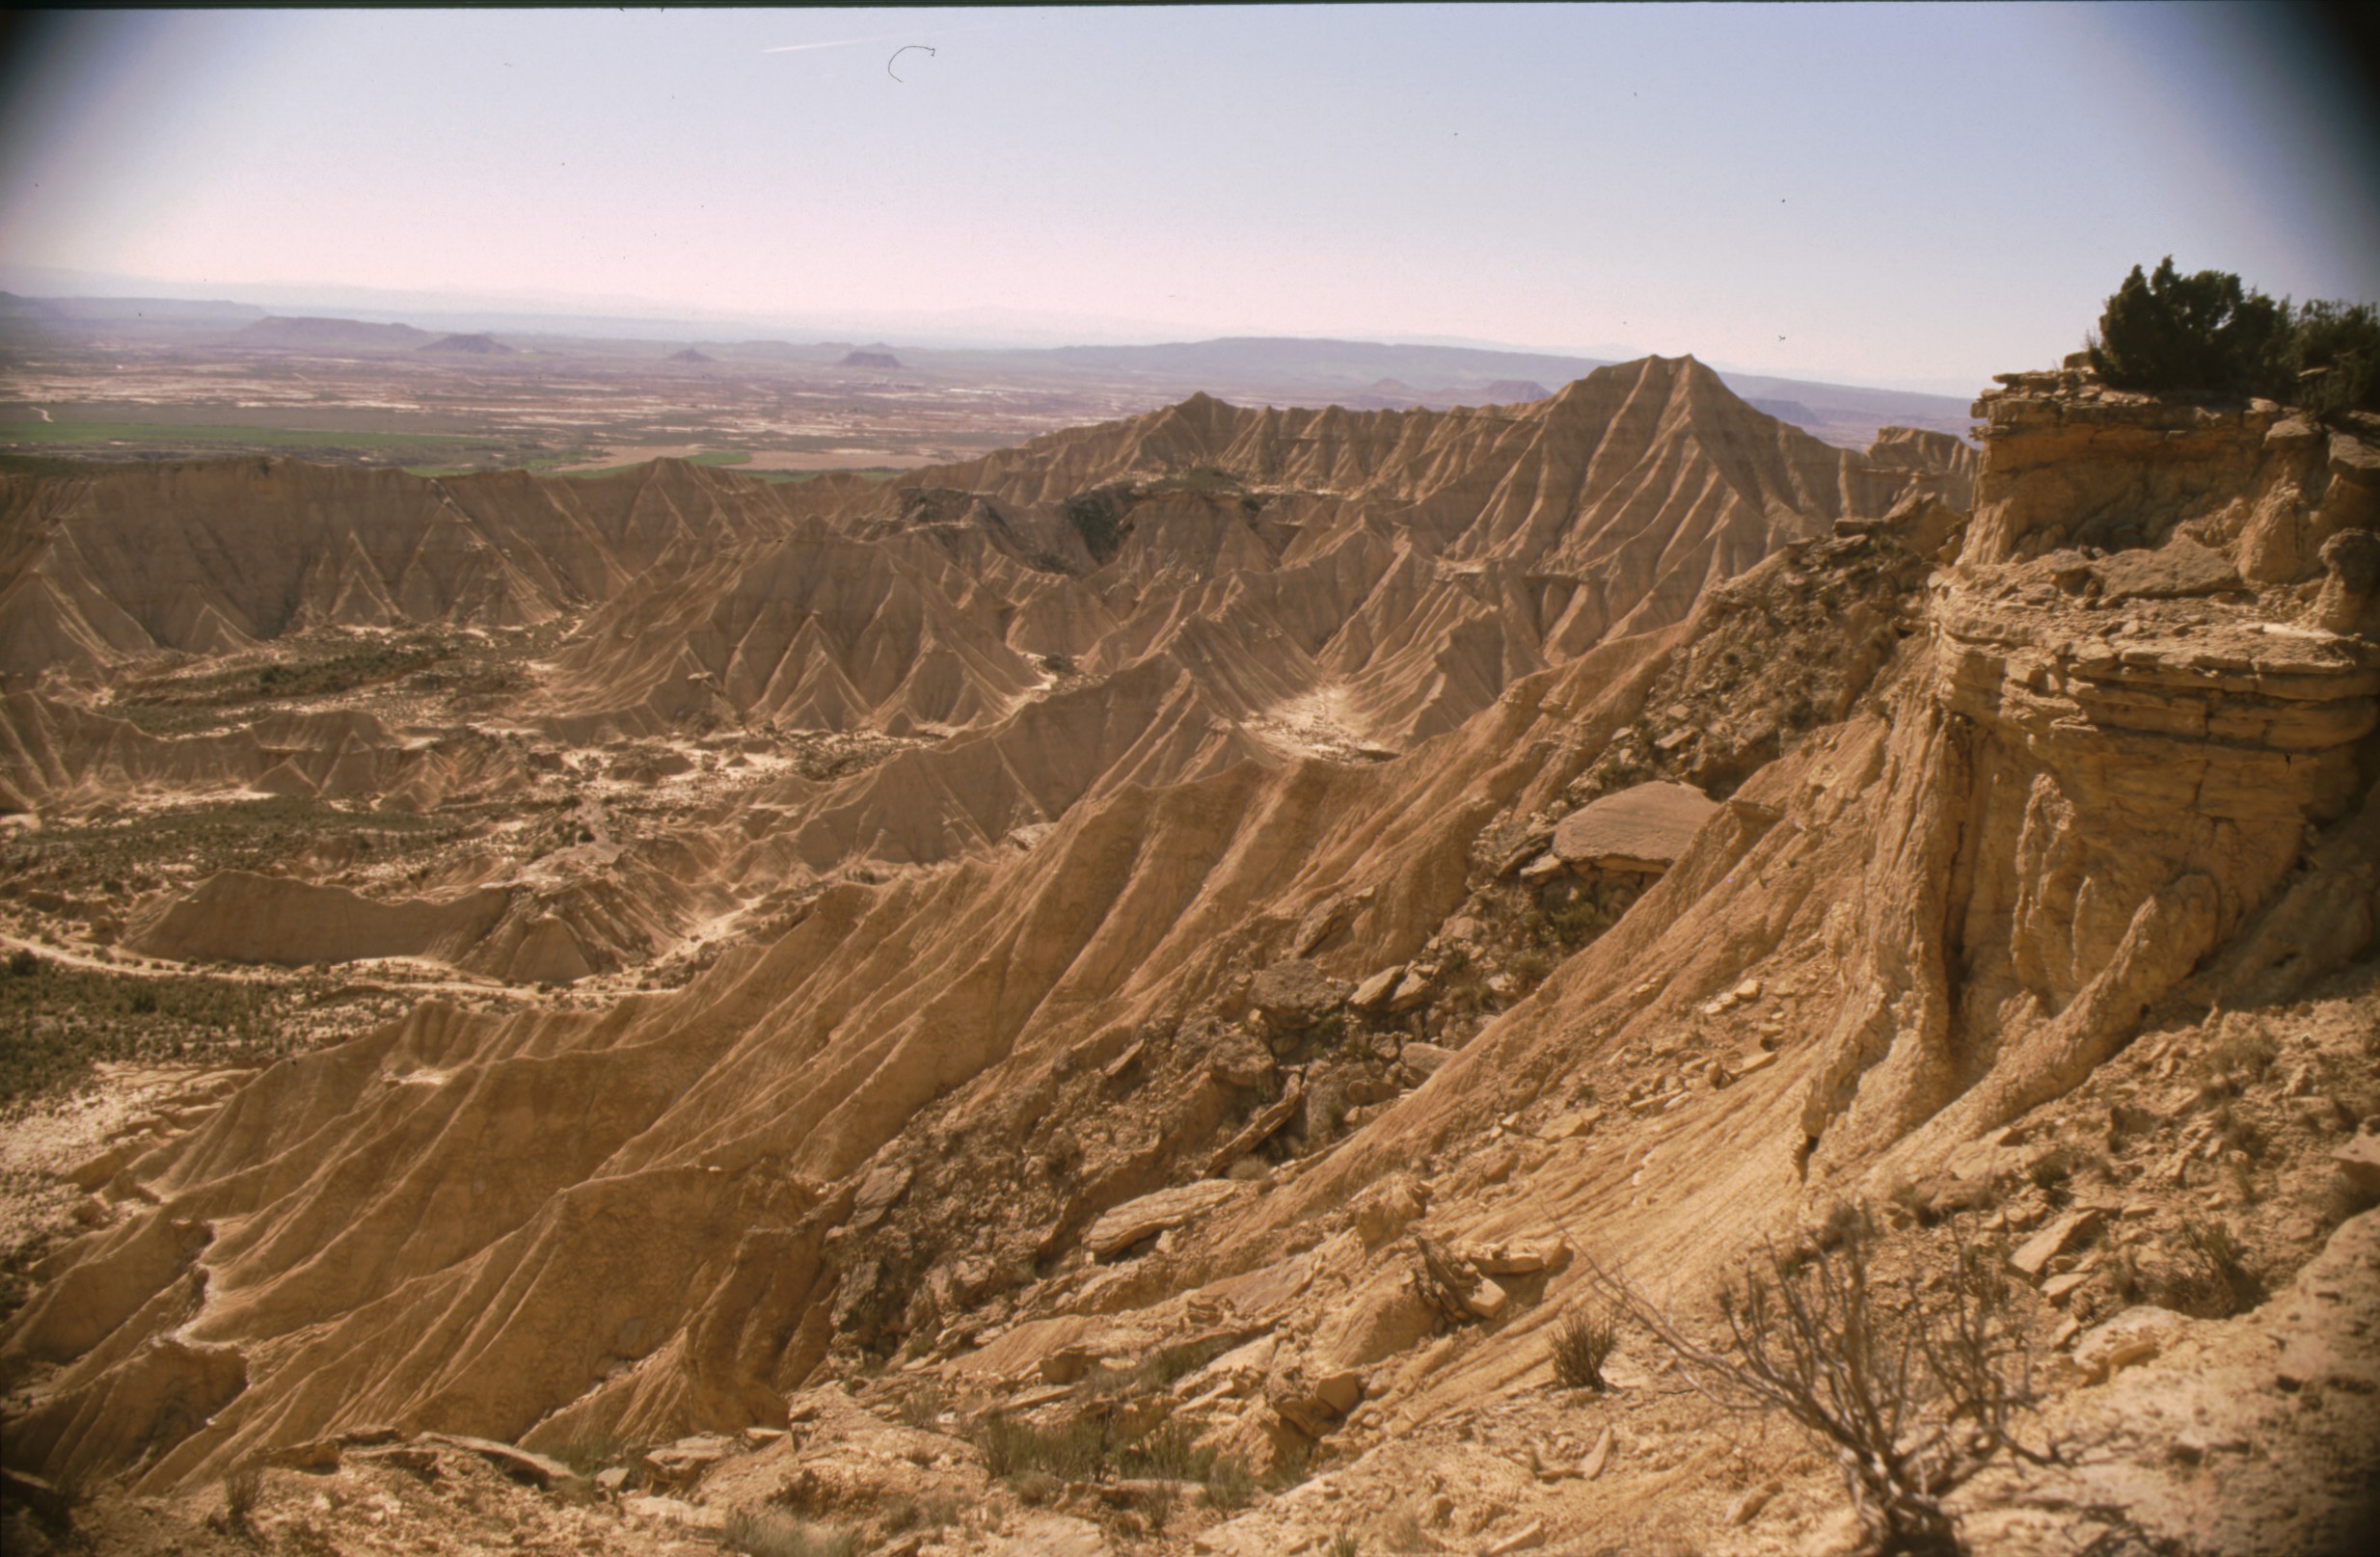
pixel 1910 1388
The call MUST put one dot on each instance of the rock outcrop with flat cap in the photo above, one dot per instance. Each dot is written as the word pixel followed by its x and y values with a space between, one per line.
pixel 1644 828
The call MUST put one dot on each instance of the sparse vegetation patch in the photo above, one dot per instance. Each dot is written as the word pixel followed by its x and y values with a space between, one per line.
pixel 58 1021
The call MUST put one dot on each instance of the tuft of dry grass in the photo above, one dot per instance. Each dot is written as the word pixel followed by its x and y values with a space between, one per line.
pixel 767 1533
pixel 1229 1486
pixel 2211 1279
pixel 1581 1344
pixel 242 1491
pixel 907 1514
pixel 923 1405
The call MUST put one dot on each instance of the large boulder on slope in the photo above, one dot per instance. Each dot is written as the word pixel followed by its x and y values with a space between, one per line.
pixel 1643 829
pixel 1294 995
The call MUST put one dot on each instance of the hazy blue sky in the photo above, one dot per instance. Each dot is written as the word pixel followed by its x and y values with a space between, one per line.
pixel 1915 196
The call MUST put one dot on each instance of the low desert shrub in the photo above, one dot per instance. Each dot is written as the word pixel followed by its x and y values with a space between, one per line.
pixel 2247 1054
pixel 1099 519
pixel 1169 1451
pixel 1155 1502
pixel 1228 1484
pixel 2050 1171
pixel 1080 1450
pixel 1290 1467
pixel 1529 965
pixel 2126 1278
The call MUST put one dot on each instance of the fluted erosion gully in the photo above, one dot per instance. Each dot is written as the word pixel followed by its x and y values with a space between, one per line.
pixel 1078 934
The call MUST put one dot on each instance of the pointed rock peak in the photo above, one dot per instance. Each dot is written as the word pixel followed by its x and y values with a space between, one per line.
pixel 1202 412
pixel 1693 369
pixel 1616 380
pixel 1696 385
pixel 1681 372
pixel 1684 387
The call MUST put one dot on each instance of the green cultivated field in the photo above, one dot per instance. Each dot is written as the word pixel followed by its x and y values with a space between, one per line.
pixel 144 434
pixel 439 453
pixel 709 456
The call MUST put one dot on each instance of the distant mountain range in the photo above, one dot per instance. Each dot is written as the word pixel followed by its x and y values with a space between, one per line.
pixel 1261 369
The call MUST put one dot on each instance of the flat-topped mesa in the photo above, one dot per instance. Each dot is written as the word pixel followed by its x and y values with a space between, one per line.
pixel 2073 463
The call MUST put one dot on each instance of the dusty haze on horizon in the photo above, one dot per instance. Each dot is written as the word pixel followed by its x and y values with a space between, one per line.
pixel 1830 192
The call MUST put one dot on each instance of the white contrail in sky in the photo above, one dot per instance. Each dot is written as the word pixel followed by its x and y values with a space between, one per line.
pixel 840 43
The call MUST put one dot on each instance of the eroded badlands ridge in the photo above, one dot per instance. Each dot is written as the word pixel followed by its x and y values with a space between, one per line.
pixel 1210 932
pixel 1144 603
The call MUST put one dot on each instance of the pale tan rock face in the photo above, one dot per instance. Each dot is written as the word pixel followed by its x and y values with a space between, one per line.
pixel 2108 776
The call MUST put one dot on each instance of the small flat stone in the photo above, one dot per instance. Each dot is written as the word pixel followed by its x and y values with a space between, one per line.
pixel 1570 1126
pixel 1746 1509
pixel 2358 1161
pixel 1488 1300
pixel 1424 1057
pixel 2058 1288
pixel 1411 991
pixel 2178 568
pixel 877 1194
pixel 1135 1220
pixel 1341 1391
pixel 1516 1256
pixel 2056 1239
pixel 314 1454
pixel 520 1464
pixel 1374 992
pixel 1261 1128
pixel 677 1512
pixel 1597 1458
pixel 1294 994
pixel 1238 1061
pixel 2134 1335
